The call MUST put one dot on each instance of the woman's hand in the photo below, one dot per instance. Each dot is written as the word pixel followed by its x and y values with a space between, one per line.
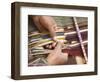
pixel 56 57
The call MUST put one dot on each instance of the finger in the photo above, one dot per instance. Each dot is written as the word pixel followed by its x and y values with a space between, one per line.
pixel 54 44
pixel 50 46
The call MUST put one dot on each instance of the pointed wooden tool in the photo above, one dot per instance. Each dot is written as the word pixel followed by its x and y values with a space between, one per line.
pixel 80 38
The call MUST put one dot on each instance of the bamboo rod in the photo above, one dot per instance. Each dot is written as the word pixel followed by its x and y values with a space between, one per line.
pixel 68 33
pixel 80 38
pixel 46 51
pixel 49 40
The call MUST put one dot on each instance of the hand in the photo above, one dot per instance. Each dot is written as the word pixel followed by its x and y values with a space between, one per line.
pixel 50 46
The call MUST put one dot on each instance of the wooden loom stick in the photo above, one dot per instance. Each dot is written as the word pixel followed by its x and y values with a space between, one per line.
pixel 80 38
pixel 49 39
pixel 46 51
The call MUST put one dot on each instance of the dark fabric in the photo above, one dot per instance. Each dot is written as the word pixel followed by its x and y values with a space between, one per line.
pixel 75 51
